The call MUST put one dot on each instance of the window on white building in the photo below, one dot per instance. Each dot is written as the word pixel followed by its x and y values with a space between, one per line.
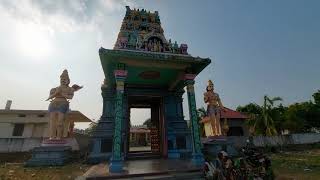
pixel 18 130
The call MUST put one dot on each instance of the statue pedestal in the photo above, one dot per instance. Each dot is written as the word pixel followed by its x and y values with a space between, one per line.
pixel 214 144
pixel 54 142
pixel 50 153
pixel 214 139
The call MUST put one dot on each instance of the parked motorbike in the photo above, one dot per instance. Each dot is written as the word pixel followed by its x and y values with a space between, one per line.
pixel 252 165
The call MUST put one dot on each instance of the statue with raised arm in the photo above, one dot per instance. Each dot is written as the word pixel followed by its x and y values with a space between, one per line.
pixel 214 107
pixel 59 106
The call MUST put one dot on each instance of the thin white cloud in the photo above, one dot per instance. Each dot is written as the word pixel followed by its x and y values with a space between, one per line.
pixel 63 15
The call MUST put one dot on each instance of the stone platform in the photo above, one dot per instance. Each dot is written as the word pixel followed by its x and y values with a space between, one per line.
pixel 213 145
pixel 50 153
pixel 49 156
pixel 147 169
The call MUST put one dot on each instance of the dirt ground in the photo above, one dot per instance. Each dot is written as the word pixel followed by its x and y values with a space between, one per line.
pixel 16 171
pixel 11 168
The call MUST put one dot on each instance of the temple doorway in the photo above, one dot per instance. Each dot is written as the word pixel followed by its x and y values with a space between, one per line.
pixel 145 135
pixel 140 125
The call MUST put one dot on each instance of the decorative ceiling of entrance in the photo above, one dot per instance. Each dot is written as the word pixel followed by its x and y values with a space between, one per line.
pixel 152 75
pixel 142 75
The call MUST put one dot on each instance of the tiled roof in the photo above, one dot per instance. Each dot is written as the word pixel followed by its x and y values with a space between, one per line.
pixel 139 130
pixel 231 114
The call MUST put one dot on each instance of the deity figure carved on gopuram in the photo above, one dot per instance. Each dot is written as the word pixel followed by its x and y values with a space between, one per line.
pixel 141 30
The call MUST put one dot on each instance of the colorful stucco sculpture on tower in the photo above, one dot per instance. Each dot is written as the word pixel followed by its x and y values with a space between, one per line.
pixel 141 30
pixel 59 106
pixel 214 107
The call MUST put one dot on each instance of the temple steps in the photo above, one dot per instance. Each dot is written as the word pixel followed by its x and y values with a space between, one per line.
pixel 142 155
pixel 189 174
pixel 158 169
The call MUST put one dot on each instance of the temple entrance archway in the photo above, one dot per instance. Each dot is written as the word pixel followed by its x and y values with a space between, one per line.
pixel 139 129
pixel 152 77
pixel 139 140
pixel 151 138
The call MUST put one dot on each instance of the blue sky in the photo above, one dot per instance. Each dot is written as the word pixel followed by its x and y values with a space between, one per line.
pixel 257 47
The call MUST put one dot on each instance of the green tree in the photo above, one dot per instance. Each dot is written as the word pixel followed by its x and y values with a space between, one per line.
pixel 268 122
pixel 316 98
pixel 253 111
pixel 92 126
pixel 148 123
pixel 261 118
pixel 295 117
pixel 278 114
pixel 304 116
pixel 250 108
pixel 314 113
pixel 201 113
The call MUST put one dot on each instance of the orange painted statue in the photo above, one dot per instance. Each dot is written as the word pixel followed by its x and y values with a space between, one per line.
pixel 59 106
pixel 214 107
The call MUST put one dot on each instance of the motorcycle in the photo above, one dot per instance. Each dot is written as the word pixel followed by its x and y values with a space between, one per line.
pixel 253 165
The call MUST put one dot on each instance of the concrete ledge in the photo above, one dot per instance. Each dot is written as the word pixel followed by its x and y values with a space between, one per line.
pixel 116 166
pixel 27 144
pixel 173 155
pixel 95 158
pixel 50 156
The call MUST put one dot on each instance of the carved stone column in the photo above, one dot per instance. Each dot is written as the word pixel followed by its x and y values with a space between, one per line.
pixel 197 156
pixel 116 164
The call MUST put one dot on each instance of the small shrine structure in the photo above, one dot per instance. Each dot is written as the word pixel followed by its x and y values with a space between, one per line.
pixel 146 70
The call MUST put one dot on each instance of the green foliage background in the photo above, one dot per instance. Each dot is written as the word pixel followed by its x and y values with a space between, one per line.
pixel 268 119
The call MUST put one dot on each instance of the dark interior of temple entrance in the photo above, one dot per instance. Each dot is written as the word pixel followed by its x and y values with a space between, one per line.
pixel 145 139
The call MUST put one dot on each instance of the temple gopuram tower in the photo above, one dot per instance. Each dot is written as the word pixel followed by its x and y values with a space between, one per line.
pixel 146 70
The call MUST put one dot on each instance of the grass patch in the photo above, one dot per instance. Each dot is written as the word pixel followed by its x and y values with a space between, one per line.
pixel 297 165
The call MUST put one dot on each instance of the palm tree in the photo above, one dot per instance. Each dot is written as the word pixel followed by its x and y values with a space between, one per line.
pixel 261 118
pixel 264 123
pixel 266 114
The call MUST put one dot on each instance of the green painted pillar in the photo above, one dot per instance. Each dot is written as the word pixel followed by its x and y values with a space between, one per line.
pixel 197 156
pixel 116 163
